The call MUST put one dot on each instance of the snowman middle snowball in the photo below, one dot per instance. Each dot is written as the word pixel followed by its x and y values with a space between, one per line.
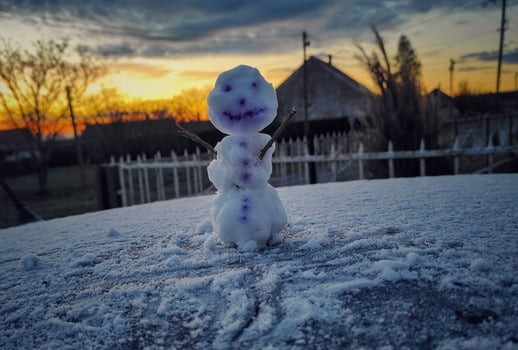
pixel 247 211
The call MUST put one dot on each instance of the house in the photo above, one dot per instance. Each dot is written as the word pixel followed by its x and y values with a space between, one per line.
pixel 336 101
pixel 142 136
pixel 15 145
pixel 490 103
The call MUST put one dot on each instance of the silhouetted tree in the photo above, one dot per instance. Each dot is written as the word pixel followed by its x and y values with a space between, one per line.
pixel 399 112
pixel 33 93
pixel 190 104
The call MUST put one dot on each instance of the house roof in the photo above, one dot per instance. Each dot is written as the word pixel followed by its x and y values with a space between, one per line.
pixel 317 66
pixel 332 94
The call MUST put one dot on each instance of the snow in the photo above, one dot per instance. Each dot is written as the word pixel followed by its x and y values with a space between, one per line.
pixel 242 101
pixel 247 211
pixel 30 261
pixel 399 263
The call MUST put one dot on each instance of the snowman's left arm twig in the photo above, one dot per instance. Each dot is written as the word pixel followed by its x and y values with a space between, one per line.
pixel 277 133
pixel 193 137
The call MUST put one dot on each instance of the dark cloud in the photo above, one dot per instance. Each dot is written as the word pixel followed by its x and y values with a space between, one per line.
pixel 509 56
pixel 145 70
pixel 172 27
pixel 179 20
pixel 354 17
pixel 475 69
pixel 120 49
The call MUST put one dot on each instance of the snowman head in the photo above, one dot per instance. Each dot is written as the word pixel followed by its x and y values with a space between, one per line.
pixel 242 101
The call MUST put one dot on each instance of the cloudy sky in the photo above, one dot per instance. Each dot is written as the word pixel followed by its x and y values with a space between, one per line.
pixel 157 48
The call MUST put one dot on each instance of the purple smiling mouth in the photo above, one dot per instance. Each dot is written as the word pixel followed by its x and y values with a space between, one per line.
pixel 248 114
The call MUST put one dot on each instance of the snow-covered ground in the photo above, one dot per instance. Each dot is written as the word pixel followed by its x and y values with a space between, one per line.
pixel 393 264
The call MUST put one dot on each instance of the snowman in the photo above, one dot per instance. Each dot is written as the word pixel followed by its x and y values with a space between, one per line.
pixel 247 211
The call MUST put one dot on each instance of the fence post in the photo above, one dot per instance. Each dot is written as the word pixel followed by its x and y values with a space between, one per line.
pixel 194 173
pixel 130 179
pixel 188 173
pixel 360 161
pixel 390 152
pixel 200 170
pixel 174 158
pixel 159 177
pixel 283 154
pixel 456 161
pixel 490 157
pixel 300 164
pixel 146 179
pixel 124 199
pixel 306 162
pixel 334 165
pixel 422 160
pixel 140 179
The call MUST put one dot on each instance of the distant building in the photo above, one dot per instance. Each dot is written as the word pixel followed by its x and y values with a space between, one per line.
pixel 15 145
pixel 490 103
pixel 332 96
pixel 142 136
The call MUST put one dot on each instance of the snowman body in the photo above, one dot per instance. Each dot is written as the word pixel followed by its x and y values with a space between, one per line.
pixel 247 211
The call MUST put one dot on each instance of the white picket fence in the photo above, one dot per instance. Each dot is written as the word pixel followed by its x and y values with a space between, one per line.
pixel 147 180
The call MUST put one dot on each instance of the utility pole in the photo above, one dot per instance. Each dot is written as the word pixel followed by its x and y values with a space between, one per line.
pixel 307 133
pixel 451 69
pixel 501 47
pixel 79 150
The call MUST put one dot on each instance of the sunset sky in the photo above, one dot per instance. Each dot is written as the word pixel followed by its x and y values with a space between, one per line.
pixel 155 49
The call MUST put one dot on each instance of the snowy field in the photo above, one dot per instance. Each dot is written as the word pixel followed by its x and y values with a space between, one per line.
pixel 428 263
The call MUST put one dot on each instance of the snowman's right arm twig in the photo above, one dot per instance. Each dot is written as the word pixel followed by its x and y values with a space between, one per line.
pixel 193 137
pixel 277 133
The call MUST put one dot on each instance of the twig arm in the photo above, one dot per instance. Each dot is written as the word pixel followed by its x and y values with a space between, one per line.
pixel 277 133
pixel 193 137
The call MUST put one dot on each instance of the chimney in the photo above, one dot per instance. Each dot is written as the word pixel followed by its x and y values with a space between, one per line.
pixel 329 59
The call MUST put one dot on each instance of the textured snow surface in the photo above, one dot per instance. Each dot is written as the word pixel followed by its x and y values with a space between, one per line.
pixel 424 263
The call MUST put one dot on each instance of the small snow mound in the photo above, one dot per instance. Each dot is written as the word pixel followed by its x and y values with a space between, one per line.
pixel 312 244
pixel 413 258
pixel 86 260
pixel 113 232
pixel 210 243
pixel 174 261
pixel 248 246
pixel 479 265
pixel 30 261
pixel 203 227
pixel 315 243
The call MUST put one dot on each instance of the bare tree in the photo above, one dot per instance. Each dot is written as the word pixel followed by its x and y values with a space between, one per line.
pixel 190 104
pixel 33 93
pixel 400 115
pixel 77 77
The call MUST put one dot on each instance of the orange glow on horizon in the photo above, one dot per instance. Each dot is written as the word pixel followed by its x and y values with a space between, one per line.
pixel 157 80
pixel 169 79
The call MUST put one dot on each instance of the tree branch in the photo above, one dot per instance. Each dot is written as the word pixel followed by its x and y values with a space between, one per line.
pixel 277 133
pixel 193 137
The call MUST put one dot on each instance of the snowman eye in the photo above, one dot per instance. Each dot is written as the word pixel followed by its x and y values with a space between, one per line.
pixel 227 88
pixel 254 85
